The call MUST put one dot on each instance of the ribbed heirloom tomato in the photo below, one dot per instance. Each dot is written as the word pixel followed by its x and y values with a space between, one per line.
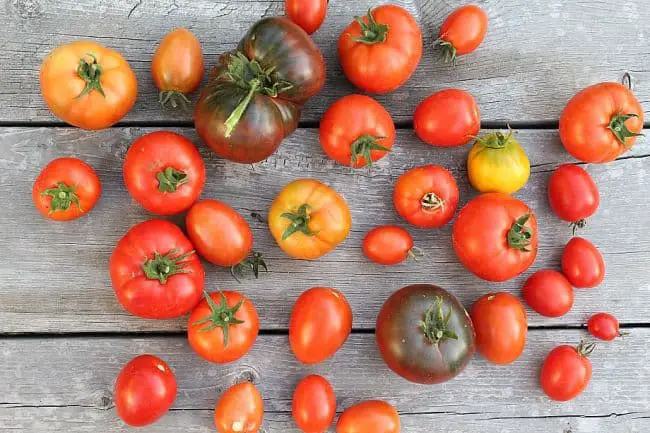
pixel 549 293
pixel 314 404
pixel 462 32
pixel 573 194
pixel 389 245
pixel 582 263
pixel 447 118
pixel 239 410
pixel 371 416
pixel 308 14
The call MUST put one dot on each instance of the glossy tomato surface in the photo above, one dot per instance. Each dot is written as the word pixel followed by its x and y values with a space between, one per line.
pixel 566 372
pixel 239 410
pixel 573 194
pixel 314 404
pixel 371 416
pixel 463 31
pixel 388 245
pixel 582 263
pixel 308 14
pixel 604 326
pixel 447 118
pixel 549 293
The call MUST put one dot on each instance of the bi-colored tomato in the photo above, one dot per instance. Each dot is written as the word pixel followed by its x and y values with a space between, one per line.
pixel 239 410
pixel 604 326
pixel 88 85
pixel 582 263
pixel 379 52
pixel 549 293
pixel 566 371
pixel 388 245
pixel 308 14
pixel 573 194
pixel 371 416
pixel 447 118
pixel 314 404
pixel 462 32
pixel 65 189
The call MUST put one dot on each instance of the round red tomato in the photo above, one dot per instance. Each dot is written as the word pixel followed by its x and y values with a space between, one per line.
pixel 308 14
pixel 573 194
pixel 144 391
pixel 223 327
pixel 356 131
pixel 65 189
pixel 164 172
pixel 314 404
pixel 582 263
pixel 320 323
pixel 447 118
pixel 155 272
pixel 426 196
pixel 501 327
pixel 566 371
pixel 388 245
pixel 372 416
pixel 462 32
pixel 239 410
pixel 604 326
pixel 549 293
pixel 380 52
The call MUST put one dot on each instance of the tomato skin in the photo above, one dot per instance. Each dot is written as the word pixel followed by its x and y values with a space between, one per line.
pixel 321 322
pixel 371 416
pixel 177 64
pixel 74 173
pixel 144 391
pixel 447 118
pixel 464 30
pixel 426 196
pixel 565 374
pixel 572 193
pixel 308 14
pixel 549 293
pixel 61 85
pixel 314 404
pixel 604 326
pixel 239 410
pixel 582 263
pixel 387 245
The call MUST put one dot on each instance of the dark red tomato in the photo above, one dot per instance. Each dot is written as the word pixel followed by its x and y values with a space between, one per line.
pixel 371 416
pixel 582 263
pixel 462 32
pixel 155 272
pixel 566 371
pixel 308 14
pixel 314 404
pixel 164 172
pixel 239 410
pixel 604 326
pixel 426 196
pixel 388 245
pixel 447 118
pixel 573 194
pixel 144 391
pixel 549 293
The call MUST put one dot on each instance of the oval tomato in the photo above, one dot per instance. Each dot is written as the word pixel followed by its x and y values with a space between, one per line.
pixel 582 263
pixel 88 85
pixel 223 327
pixel 379 52
pixel 573 194
pixel 447 118
pixel 164 172
pixel 239 410
pixel 308 14
pixel 65 189
pixel 426 196
pixel 388 245
pixel 604 326
pixel 155 272
pixel 549 293
pixel 321 321
pixel 462 32
pixel 314 404
pixel 374 416
pixel 356 131
pixel 566 371
pixel 495 236
pixel 144 391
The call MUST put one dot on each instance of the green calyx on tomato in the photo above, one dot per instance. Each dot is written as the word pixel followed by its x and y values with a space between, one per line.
pixel 170 179
pixel 431 202
pixel 173 97
pixel 585 349
pixel 222 316
pixel 373 32
pixel 62 197
pixel 448 51
pixel 434 326
pixel 254 262
pixel 90 73
pixel 618 128
pixel 362 146
pixel 519 236
pixel 495 140
pixel 162 267
pixel 299 222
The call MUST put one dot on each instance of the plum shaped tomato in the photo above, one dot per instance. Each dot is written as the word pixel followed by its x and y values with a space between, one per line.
pixel 371 416
pixel 462 32
pixel 239 410
pixel 155 272
pixel 447 118
pixel 308 14
pixel 389 245
pixel 566 371
pixel 424 334
pixel 549 293
pixel 582 263
pixel 573 194
pixel 604 326
pixel 314 404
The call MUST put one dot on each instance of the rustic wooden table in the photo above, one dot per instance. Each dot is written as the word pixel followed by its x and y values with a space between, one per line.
pixel 64 336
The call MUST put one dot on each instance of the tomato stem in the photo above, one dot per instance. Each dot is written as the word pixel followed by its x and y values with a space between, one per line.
pixel 162 267
pixel 253 262
pixel 448 51
pixel 222 316
pixel 91 74
pixel 434 325
pixel 299 222
pixel 170 179
pixel 585 349
pixel 62 197
pixel 361 148
pixel 495 140
pixel 174 98
pixel 372 32
pixel 416 253
pixel 432 202
pixel 238 112
pixel 519 236
pixel 580 224
pixel 620 130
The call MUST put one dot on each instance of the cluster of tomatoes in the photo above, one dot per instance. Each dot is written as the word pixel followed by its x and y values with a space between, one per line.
pixel 252 101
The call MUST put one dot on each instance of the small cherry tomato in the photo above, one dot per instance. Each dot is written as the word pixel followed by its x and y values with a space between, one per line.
pixel 308 14
pixel 582 263
pixel 462 32
pixel 549 293
pixel 372 416
pixel 388 245
pixel 604 326
pixel 566 371
pixel 239 410
pixel 447 118
pixel 314 404
pixel 573 194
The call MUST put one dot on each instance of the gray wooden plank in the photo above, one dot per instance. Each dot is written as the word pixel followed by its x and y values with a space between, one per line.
pixel 535 57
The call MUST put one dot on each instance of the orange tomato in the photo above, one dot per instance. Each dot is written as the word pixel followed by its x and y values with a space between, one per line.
pixel 239 410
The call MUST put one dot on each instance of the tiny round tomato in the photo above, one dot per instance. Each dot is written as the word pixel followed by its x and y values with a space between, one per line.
pixel 144 391
pixel 501 327
pixel 388 245
pixel 573 194
pixel 566 371
pixel 321 321
pixel 462 32
pixel 371 416
pixel 447 118
pixel 356 131
pixel 582 263
pixel 239 410
pixel 426 196
pixel 604 326
pixel 314 404
pixel 308 14
pixel 65 189
pixel 223 327
pixel 549 293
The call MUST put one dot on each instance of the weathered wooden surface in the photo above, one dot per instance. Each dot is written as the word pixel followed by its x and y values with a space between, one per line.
pixel 536 55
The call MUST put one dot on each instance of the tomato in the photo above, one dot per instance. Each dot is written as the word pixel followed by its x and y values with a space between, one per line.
pixel 314 404
pixel 356 131
pixel 462 32
pixel 573 194
pixel 88 85
pixel 379 52
pixel 601 122
pixel 495 236
pixel 371 416
pixel 223 327
pixel 604 326
pixel 239 410
pixel 308 14
pixel 447 118
pixel 497 163
pixel 177 66
pixel 65 189
pixel 144 391
pixel 255 94
pixel 566 371
pixel 155 272
pixel 549 293
pixel 321 321
pixel 424 334
pixel 389 245
pixel 308 219
pixel 582 263
pixel 426 196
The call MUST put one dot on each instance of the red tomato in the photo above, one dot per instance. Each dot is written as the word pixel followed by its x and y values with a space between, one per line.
pixel 573 194
pixel 239 410
pixel 320 323
pixel 462 32
pixel 604 326
pixel 388 245
pixel 155 272
pixel 380 51
pixel 65 189
pixel 372 416
pixel 566 371
pixel 501 327
pixel 426 196
pixel 144 391
pixel 314 404
pixel 549 293
pixel 164 172
pixel 356 131
pixel 582 263
pixel 223 327
pixel 308 14
pixel 447 118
